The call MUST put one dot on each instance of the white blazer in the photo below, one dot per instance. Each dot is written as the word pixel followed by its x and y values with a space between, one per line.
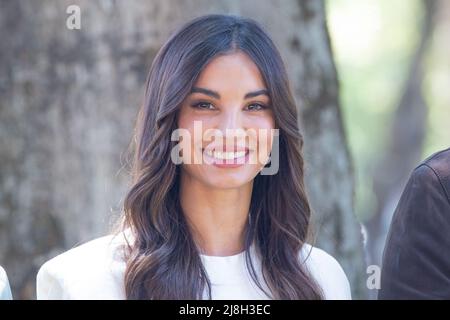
pixel 5 290
pixel 95 270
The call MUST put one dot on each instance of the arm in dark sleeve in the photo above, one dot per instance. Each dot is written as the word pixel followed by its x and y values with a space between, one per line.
pixel 416 259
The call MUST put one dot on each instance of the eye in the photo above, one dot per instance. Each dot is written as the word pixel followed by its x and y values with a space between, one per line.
pixel 256 107
pixel 203 105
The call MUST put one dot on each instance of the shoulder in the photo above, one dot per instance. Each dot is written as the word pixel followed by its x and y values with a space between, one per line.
pixel 89 271
pixel 327 272
pixel 435 170
pixel 439 162
pixel 429 183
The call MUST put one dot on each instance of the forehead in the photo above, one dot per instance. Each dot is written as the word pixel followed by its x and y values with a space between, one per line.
pixel 235 70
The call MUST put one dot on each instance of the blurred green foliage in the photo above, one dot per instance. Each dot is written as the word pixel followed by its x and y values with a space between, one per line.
pixel 373 42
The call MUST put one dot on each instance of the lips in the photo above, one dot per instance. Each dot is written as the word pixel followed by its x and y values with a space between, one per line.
pixel 226 158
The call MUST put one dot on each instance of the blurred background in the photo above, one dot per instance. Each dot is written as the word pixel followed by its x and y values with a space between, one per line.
pixel 371 80
pixel 393 60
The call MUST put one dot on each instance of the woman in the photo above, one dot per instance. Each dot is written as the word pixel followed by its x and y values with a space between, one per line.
pixel 218 228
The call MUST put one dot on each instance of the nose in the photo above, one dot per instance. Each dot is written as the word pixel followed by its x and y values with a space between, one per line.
pixel 230 119
pixel 232 126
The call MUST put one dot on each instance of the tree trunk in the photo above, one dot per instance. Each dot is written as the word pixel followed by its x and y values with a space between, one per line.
pixel 68 100
pixel 404 149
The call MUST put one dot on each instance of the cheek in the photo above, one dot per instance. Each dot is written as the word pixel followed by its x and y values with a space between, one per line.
pixel 260 139
pixel 193 143
pixel 185 125
pixel 265 121
pixel 263 127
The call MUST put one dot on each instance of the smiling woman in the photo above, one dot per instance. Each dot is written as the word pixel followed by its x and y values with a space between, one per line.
pixel 209 230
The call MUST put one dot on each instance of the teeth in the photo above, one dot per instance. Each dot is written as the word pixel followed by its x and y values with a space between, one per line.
pixel 225 155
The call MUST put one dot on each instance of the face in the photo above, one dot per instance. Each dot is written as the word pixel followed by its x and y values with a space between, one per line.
pixel 228 119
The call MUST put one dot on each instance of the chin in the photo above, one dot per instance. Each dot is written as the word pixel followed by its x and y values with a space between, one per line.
pixel 228 179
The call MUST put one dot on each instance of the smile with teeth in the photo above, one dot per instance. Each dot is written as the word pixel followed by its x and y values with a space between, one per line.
pixel 225 155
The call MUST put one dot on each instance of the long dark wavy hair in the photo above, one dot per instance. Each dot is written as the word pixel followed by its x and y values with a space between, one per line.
pixel 163 261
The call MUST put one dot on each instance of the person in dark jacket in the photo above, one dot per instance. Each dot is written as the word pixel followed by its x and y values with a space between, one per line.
pixel 416 258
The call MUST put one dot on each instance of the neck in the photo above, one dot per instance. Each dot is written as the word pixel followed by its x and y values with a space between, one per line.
pixel 217 217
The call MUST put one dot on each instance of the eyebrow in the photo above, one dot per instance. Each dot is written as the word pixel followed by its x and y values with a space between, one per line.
pixel 216 95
